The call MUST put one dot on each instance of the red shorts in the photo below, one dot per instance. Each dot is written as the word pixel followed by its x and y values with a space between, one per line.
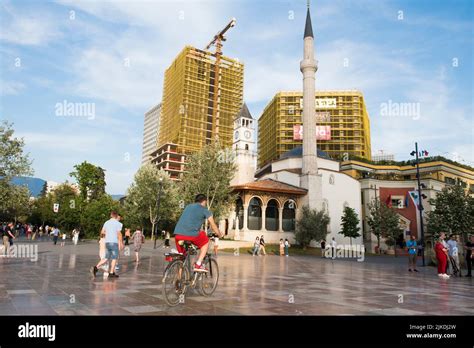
pixel 200 240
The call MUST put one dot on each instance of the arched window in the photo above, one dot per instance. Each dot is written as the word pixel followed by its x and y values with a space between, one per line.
pixel 289 215
pixel 255 214
pixel 271 215
pixel 239 212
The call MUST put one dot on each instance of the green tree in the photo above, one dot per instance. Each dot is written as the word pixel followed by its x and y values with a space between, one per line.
pixel 13 162
pixel 209 172
pixel 95 213
pixel 68 216
pixel 350 224
pixel 383 222
pixel 42 210
pixel 91 180
pixel 312 225
pixel 453 212
pixel 19 205
pixel 141 203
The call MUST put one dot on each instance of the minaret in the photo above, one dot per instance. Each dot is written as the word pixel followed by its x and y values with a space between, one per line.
pixel 310 179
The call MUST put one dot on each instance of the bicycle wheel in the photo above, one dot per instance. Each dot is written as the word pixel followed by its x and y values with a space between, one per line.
pixel 174 282
pixel 209 280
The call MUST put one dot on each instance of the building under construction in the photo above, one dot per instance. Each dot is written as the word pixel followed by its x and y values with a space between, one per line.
pixel 194 110
pixel 341 117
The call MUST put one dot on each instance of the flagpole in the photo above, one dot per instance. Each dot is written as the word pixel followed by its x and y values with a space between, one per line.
pixel 420 206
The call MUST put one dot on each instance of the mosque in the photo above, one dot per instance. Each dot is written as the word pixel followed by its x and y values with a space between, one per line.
pixel 270 199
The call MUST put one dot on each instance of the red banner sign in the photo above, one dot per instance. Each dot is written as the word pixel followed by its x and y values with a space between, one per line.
pixel 322 132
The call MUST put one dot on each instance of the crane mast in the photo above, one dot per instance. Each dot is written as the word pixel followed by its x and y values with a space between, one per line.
pixel 217 43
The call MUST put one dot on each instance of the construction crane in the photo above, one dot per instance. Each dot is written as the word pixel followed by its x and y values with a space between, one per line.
pixel 217 42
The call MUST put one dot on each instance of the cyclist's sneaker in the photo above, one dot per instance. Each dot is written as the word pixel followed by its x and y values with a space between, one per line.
pixel 200 268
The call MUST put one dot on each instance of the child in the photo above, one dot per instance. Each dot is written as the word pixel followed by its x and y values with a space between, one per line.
pixel 63 242
pixel 102 252
pixel 287 246
pixel 282 247
pixel 256 247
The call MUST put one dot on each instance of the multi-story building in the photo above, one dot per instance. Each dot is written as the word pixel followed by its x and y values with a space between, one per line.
pixel 188 118
pixel 167 158
pixel 342 120
pixel 150 133
pixel 393 183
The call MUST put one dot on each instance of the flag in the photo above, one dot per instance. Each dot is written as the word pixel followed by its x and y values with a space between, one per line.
pixel 414 197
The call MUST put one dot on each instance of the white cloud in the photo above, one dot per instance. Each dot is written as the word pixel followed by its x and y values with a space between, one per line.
pixel 11 88
pixel 26 29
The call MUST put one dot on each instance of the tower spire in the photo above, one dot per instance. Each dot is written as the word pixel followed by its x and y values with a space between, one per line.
pixel 308 29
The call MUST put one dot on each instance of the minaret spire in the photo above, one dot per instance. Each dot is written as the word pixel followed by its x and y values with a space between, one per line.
pixel 309 179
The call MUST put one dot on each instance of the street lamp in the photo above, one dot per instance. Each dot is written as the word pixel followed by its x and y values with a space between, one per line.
pixel 420 200
pixel 157 211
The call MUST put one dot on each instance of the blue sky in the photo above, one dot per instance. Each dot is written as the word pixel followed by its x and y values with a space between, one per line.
pixel 404 51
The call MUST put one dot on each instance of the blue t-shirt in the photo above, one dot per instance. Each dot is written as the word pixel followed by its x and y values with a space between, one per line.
pixel 192 219
pixel 411 245
pixel 112 227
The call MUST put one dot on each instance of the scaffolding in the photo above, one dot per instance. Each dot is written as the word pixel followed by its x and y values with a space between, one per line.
pixel 343 111
pixel 188 117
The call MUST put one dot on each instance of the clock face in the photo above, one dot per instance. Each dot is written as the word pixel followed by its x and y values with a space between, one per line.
pixel 247 134
pixel 236 135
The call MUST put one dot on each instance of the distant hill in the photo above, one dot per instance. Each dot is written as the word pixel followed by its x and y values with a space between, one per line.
pixel 117 197
pixel 35 185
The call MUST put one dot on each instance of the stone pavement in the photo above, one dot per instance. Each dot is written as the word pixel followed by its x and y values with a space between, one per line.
pixel 59 283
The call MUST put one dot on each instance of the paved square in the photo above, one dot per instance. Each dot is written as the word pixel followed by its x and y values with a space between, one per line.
pixel 59 283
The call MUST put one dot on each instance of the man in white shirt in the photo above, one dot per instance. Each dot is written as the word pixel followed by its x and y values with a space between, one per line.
pixel 453 251
pixel 112 230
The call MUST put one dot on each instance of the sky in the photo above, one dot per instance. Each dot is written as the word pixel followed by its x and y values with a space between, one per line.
pixel 111 56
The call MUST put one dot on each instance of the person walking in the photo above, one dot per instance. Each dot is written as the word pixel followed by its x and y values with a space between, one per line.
pixel 216 245
pixel 262 246
pixel 287 247
pixel 323 248
pixel 75 236
pixel 138 239
pixel 333 247
pixel 63 239
pixel 7 236
pixel 127 235
pixel 453 253
pixel 256 247
pixel 113 243
pixel 282 247
pixel 442 257
pixel 412 253
pixel 167 239
pixel 469 255
pixel 55 235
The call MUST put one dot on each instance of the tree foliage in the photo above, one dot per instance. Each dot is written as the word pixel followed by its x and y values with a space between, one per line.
pixel 350 223
pixel 95 213
pixel 453 212
pixel 141 203
pixel 90 179
pixel 209 172
pixel 383 222
pixel 312 225
pixel 14 200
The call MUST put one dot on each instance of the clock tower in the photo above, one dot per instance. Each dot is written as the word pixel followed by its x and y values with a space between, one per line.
pixel 244 147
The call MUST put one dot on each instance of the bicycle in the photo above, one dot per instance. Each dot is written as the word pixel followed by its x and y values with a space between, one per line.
pixel 177 277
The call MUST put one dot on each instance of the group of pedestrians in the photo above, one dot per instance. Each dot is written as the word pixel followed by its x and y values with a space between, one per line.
pixel 259 247
pixel 111 243
pixel 447 253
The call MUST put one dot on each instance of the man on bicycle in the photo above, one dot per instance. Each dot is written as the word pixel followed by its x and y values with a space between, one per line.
pixel 189 225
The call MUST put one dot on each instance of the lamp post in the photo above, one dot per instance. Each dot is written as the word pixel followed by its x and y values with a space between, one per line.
pixel 157 212
pixel 420 202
